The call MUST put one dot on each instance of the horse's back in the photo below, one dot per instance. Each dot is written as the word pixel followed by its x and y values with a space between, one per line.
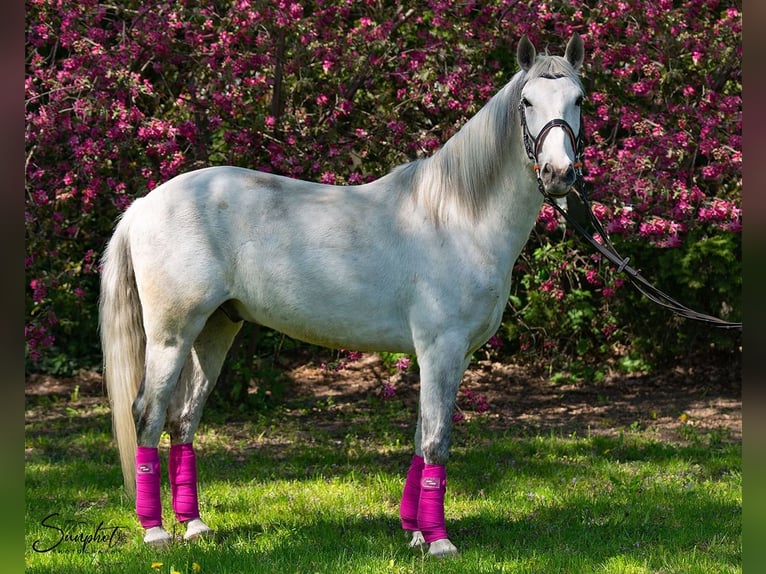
pixel 326 264
pixel 225 195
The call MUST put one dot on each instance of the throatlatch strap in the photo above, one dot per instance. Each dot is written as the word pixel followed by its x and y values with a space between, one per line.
pixel 433 486
pixel 408 509
pixel 182 468
pixel 148 502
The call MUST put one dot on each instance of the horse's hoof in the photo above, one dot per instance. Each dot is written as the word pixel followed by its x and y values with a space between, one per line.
pixel 196 529
pixel 442 548
pixel 417 540
pixel 157 537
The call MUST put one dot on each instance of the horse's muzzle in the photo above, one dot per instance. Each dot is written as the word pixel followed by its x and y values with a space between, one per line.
pixel 556 180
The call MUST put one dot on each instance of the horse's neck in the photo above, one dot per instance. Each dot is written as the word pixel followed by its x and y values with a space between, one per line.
pixel 513 209
pixel 509 201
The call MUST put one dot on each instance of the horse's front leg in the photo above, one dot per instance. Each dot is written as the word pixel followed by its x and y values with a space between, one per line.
pixel 441 370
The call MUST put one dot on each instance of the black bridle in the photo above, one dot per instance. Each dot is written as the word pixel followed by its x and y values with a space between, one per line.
pixel 532 145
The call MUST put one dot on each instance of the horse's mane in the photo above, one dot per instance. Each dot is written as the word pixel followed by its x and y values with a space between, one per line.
pixel 458 179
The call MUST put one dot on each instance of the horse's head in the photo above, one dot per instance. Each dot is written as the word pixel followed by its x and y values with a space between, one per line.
pixel 550 114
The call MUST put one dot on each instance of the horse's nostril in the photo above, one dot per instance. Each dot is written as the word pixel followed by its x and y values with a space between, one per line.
pixel 550 174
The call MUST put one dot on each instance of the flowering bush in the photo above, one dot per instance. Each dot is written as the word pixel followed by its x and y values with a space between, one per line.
pixel 122 96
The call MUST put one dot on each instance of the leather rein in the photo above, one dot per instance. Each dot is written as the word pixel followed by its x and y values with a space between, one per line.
pixel 532 145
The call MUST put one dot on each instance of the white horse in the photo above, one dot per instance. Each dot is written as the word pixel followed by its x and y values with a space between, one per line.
pixel 418 261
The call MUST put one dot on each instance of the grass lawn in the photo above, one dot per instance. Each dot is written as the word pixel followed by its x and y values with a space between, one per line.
pixel 309 488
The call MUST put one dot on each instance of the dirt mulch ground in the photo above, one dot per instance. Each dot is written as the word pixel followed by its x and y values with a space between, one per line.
pixel 703 395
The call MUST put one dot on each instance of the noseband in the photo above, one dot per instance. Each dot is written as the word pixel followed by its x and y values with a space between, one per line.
pixel 533 144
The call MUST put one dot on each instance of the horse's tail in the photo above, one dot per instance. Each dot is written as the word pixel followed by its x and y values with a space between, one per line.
pixel 123 342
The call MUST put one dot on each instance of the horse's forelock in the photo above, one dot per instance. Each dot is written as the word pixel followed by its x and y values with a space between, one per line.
pixel 553 67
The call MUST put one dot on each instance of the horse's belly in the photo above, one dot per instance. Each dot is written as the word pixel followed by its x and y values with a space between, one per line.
pixel 358 328
pixel 326 302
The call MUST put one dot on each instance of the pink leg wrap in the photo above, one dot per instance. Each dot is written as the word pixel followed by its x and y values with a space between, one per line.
pixel 148 503
pixel 182 468
pixel 433 485
pixel 408 509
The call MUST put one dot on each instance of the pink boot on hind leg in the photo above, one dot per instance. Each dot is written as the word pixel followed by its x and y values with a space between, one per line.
pixel 182 468
pixel 148 502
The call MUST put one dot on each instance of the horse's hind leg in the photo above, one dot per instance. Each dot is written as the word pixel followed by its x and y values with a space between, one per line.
pixel 164 361
pixel 197 379
pixel 166 352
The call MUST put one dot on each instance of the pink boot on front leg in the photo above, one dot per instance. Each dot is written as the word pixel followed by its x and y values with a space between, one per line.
pixel 182 468
pixel 433 486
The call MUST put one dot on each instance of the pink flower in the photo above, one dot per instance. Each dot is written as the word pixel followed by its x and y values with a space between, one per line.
pixel 328 178
pixel 403 363
pixel 41 197
pixel 296 11
pixel 88 195
pixel 482 404
pixel 39 292
pixel 599 210
pixel 354 355
pixel 495 342
pixel 548 218
pixel 608 330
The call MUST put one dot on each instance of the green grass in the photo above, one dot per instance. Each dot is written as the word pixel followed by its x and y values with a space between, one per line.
pixel 317 490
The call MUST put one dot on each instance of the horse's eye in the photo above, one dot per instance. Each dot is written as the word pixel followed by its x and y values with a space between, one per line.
pixel 578 101
pixel 526 103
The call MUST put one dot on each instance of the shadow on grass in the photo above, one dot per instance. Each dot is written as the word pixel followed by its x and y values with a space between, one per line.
pixel 62 448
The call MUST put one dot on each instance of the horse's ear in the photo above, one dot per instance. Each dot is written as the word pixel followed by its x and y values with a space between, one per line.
pixel 525 53
pixel 575 53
